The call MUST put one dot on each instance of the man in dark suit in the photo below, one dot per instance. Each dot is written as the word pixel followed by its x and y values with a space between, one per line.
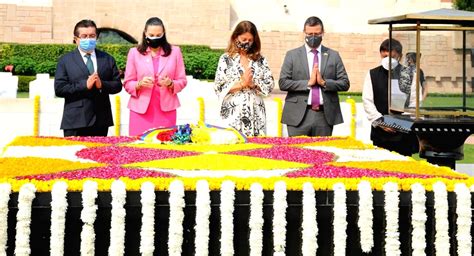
pixel 312 75
pixel 84 78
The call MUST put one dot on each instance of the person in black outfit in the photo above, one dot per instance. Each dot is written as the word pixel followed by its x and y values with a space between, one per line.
pixel 84 78
pixel 375 99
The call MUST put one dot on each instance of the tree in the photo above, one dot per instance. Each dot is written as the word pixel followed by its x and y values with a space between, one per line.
pixel 466 5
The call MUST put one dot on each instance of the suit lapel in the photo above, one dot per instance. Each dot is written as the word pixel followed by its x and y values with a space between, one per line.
pixel 303 56
pixel 324 59
pixel 163 61
pixel 80 61
pixel 100 61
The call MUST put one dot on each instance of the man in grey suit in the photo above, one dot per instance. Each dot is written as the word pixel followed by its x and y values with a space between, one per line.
pixel 312 75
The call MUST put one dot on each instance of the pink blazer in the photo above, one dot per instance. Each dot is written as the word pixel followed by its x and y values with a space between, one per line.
pixel 139 66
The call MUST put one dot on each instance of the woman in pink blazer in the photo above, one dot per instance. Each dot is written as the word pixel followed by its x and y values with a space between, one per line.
pixel 153 77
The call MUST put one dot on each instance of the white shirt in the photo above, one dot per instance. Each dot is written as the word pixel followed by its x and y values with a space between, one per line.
pixel 368 100
pixel 310 58
pixel 93 58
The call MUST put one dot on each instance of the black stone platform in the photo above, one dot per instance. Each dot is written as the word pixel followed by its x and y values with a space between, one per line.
pixel 40 233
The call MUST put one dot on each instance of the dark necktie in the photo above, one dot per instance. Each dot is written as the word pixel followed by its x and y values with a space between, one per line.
pixel 89 64
pixel 315 89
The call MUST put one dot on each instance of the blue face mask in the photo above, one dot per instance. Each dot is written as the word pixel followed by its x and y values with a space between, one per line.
pixel 87 44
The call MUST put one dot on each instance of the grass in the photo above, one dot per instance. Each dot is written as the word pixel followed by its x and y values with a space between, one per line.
pixel 22 94
pixel 431 100
pixel 468 155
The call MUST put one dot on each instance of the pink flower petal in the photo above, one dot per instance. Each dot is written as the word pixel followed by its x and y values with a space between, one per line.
pixel 126 155
pixel 108 172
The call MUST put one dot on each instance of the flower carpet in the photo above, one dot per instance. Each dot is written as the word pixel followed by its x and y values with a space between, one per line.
pixel 310 186
pixel 322 161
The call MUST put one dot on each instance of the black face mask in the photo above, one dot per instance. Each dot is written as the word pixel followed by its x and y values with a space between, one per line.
pixel 243 46
pixel 155 42
pixel 313 41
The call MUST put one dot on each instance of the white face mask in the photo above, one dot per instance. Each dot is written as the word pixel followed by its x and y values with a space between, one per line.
pixel 385 63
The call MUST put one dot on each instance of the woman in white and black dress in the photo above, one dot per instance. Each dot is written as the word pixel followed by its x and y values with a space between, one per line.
pixel 242 79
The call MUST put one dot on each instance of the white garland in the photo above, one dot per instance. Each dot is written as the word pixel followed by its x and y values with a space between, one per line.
pixel 366 216
pixel 175 229
pixel 340 222
pixel 418 219
pixel 392 236
pixel 256 219
pixel 441 219
pixel 147 232
pixel 117 220
pixel 464 219
pixel 279 218
pixel 227 218
pixel 203 211
pixel 5 191
pixel 88 216
pixel 309 232
pixel 23 219
pixel 58 217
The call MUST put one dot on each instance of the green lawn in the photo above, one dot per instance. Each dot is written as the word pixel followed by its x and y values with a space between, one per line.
pixel 435 100
pixel 468 155
pixel 430 101
pixel 22 94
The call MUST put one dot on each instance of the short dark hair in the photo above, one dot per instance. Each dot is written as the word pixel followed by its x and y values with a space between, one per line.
pixel 143 45
pixel 84 24
pixel 396 46
pixel 313 21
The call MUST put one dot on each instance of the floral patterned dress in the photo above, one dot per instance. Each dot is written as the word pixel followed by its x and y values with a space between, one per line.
pixel 243 110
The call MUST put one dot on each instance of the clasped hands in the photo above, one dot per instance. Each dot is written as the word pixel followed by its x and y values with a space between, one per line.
pixel 245 82
pixel 92 80
pixel 316 78
pixel 148 82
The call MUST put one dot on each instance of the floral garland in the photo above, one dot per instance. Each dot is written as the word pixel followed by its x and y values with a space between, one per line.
pixel 175 230
pixel 366 216
pixel 463 220
pixel 256 220
pixel 5 191
pixel 203 211
pixel 227 218
pixel 117 226
pixel 118 115
pixel 58 217
pixel 392 241
pixel 279 218
pixel 309 232
pixel 23 219
pixel 147 232
pixel 441 219
pixel 241 183
pixel 88 216
pixel 36 114
pixel 418 219
pixel 340 222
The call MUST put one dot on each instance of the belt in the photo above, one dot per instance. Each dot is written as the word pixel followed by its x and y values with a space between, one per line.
pixel 321 108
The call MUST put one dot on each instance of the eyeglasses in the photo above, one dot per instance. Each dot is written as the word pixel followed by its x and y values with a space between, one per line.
pixel 91 36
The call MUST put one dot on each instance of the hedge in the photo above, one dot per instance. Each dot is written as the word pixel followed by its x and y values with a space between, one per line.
pixel 30 59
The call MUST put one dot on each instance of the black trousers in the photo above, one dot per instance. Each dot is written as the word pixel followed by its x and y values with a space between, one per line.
pixel 87 131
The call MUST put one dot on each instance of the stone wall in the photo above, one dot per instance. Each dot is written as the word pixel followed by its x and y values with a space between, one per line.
pixel 210 23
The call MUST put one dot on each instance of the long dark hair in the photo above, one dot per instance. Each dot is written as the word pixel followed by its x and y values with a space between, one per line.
pixel 143 46
pixel 241 28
